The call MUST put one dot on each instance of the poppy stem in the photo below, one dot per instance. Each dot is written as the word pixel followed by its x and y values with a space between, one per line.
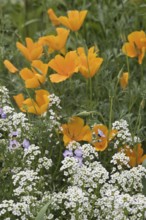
pixel 141 73
pixel 128 67
pixel 90 92
pixel 110 111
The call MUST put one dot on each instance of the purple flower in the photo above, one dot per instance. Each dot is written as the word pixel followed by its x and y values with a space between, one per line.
pixel 78 152
pixel 2 114
pixel 13 144
pixel 14 133
pixel 26 144
pixel 68 153
pixel 79 159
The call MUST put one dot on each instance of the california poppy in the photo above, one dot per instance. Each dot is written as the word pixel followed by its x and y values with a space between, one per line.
pixel 32 51
pixel 89 62
pixel 65 67
pixel 75 130
pixel 36 76
pixel 124 80
pixel 35 106
pixel 102 136
pixel 55 42
pixel 135 155
pixel 136 45
pixel 74 20
pixel 10 66
pixel 54 19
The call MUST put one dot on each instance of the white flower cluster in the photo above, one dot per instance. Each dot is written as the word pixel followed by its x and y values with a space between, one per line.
pixel 4 96
pixel 123 136
pixel 120 160
pixel 54 101
pixel 129 181
pixel 32 154
pixel 19 210
pixel 73 145
pixel 26 182
pixel 120 206
pixel 74 202
pixel 44 162
pixel 87 149
pixel 10 123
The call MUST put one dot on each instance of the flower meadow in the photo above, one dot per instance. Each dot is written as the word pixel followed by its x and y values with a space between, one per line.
pixel 72 111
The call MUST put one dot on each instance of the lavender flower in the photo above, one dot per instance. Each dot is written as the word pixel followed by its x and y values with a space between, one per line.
pixel 2 114
pixel 26 144
pixel 78 152
pixel 14 144
pixel 14 133
pixel 68 153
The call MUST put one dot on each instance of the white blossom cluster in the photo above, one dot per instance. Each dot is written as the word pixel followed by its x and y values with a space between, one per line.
pixel 74 202
pixel 89 152
pixel 54 100
pixel 120 160
pixel 44 162
pixel 4 96
pixel 124 135
pixel 130 181
pixel 120 206
pixel 14 122
pixel 25 181
pixel 32 154
pixel 19 210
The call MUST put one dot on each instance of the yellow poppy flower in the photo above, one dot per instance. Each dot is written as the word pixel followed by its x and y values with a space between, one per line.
pixel 135 155
pixel 89 62
pixel 35 77
pixel 37 106
pixel 54 19
pixel 32 51
pixel 10 66
pixel 124 80
pixel 65 67
pixel 102 136
pixel 75 130
pixel 56 42
pixel 136 46
pixel 74 20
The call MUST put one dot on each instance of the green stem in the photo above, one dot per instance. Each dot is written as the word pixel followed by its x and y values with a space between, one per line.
pixel 141 73
pixel 128 67
pixel 110 112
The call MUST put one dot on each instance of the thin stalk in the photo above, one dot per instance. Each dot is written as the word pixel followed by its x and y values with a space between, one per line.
pixel 141 74
pixel 128 67
pixel 110 112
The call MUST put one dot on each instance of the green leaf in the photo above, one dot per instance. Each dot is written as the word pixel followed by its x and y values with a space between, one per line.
pixel 42 212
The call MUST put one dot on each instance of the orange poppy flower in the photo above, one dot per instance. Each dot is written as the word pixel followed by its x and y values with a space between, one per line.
pixel 102 136
pixel 32 51
pixel 124 80
pixel 54 19
pixel 10 66
pixel 56 42
pixel 89 62
pixel 37 106
pixel 65 67
pixel 135 155
pixel 136 46
pixel 75 130
pixel 35 77
pixel 74 20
